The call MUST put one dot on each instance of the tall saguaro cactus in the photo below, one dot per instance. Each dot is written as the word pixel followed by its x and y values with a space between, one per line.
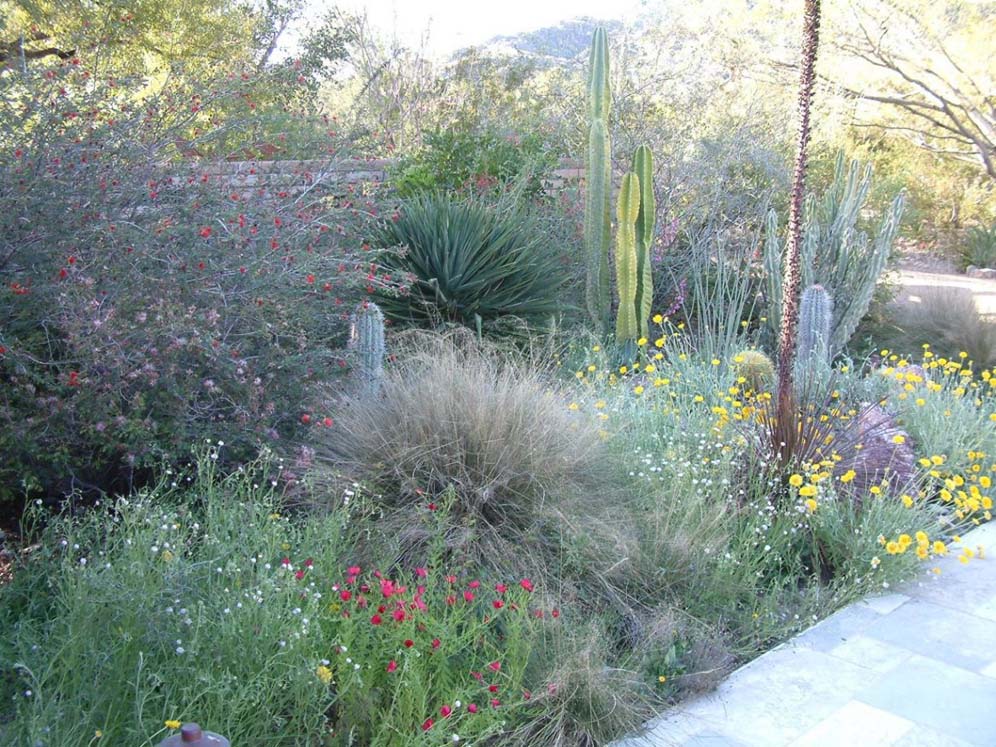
pixel 597 214
pixel 790 285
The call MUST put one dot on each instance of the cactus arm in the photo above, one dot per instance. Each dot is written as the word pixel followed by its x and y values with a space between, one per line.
pixel 627 210
pixel 643 167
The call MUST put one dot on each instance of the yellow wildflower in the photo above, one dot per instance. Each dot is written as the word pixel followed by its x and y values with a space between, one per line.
pixel 172 724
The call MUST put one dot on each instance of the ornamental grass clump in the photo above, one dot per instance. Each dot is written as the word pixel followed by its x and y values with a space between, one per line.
pixel 456 422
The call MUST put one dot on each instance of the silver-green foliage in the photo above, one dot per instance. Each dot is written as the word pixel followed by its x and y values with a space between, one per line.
pixel 836 253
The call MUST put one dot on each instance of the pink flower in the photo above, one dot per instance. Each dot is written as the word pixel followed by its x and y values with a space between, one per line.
pixel 445 711
pixel 498 604
pixel 435 643
pixel 495 666
pixel 376 620
pixel 399 615
pixel 495 702
pixel 472 708
pixel 468 596
pixel 427 724
pixel 421 572
pixel 392 665
pixel 345 595
pixel 474 584
pixel 205 232
pixel 409 643
pixel 526 584
pixel 353 570
pixel 501 588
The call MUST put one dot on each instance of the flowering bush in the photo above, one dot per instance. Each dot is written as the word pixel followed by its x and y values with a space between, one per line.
pixel 150 300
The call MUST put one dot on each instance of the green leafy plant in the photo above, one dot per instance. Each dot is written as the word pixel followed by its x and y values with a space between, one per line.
pixel 478 159
pixel 469 263
pixel 978 247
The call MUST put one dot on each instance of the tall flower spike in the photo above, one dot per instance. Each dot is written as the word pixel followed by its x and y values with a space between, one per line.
pixel 790 298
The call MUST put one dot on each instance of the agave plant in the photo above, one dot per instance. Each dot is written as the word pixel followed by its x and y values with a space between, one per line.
pixel 469 263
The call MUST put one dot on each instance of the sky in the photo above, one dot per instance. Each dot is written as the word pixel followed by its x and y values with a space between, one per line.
pixel 452 24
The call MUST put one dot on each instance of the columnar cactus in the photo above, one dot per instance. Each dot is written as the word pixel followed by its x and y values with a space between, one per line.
pixel 815 327
pixel 366 341
pixel 627 325
pixel 597 217
pixel 643 167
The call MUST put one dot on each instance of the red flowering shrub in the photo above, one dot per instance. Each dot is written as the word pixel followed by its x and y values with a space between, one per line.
pixel 149 301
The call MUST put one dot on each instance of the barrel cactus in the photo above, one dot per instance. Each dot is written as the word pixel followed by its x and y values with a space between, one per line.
pixel 756 369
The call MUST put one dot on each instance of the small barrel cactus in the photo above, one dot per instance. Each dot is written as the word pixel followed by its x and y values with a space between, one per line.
pixel 366 343
pixel 756 368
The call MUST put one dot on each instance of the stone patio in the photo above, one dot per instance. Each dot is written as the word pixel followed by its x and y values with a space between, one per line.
pixel 911 668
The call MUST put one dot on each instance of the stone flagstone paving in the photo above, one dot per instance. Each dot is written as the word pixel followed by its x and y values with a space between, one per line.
pixel 915 668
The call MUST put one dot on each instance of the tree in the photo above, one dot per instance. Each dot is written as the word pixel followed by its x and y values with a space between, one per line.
pixel 928 71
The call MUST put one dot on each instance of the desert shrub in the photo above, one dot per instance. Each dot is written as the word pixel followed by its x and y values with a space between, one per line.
pixel 150 302
pixel 469 263
pixel 947 320
pixel 457 159
pixel 978 247
pixel 454 418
